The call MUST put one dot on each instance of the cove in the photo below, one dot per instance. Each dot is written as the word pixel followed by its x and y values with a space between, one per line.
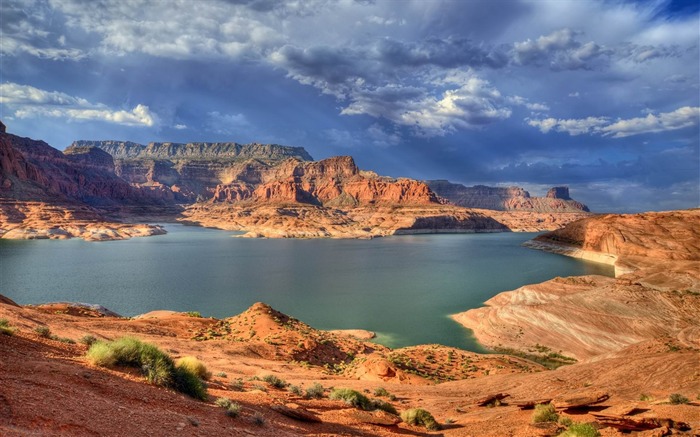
pixel 403 287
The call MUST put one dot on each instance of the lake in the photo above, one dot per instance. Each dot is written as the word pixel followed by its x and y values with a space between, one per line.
pixel 403 287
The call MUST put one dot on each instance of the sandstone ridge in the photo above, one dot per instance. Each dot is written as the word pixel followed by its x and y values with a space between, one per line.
pixel 656 294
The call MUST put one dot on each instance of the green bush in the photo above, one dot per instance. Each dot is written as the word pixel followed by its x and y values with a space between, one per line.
pixel 566 421
pixel 351 397
pixel 544 413
pixel 88 339
pixel 196 314
pixel 274 381
pixel 5 327
pixel 580 430
pixel 233 410
pixel 237 385
pixel 43 331
pixel 101 354
pixel 223 402
pixel 295 390
pixel 420 417
pixel 315 391
pixel 221 374
pixel 677 399
pixel 195 366
pixel 156 365
pixel 190 384
pixel 381 391
pixel 378 404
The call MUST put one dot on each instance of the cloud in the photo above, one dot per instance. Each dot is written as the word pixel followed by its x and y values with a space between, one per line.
pixel 668 121
pixel 180 126
pixel 30 102
pixel 227 124
pixel 473 104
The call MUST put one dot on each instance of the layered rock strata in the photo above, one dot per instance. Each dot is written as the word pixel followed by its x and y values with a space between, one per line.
pixel 557 199
pixel 656 293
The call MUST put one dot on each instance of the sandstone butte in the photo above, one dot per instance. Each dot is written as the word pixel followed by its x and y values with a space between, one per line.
pixel 99 190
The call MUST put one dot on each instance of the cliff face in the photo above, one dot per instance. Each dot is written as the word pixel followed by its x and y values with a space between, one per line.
pixel 506 199
pixel 192 171
pixel 335 182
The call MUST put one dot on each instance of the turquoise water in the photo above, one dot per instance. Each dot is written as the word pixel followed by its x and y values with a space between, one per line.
pixel 401 287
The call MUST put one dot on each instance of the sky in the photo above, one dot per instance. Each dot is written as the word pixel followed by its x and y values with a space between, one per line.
pixel 602 96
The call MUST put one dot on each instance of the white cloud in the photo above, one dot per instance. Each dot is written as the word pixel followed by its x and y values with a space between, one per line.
pixel 30 102
pixel 180 126
pixel 668 121
pixel 680 118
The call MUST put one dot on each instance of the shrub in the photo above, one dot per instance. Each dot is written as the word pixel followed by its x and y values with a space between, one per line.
pixel 190 384
pixel 420 417
pixel 315 391
pixel 88 340
pixel 223 402
pixel 566 421
pixel 5 327
pixel 351 397
pixel 677 399
pixel 221 374
pixel 101 354
pixel 196 314
pixel 544 413
pixel 233 410
pixel 645 397
pixel 195 366
pixel 258 419
pixel 43 331
pixel 295 390
pixel 274 381
pixel 381 391
pixel 580 430
pixel 237 385
pixel 378 404
pixel 156 365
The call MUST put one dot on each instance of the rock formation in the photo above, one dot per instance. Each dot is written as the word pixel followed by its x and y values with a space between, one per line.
pixel 506 199
pixel 656 294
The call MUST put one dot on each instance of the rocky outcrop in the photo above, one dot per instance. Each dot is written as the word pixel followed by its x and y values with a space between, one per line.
pixel 506 198
pixel 656 293
pixel 335 182
pixel 192 171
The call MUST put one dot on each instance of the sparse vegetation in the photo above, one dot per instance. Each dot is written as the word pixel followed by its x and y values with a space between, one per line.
pixel 541 355
pixel 678 399
pixel 233 410
pixel 221 374
pixel 449 421
pixel 544 413
pixel 88 339
pixel 43 331
pixel 260 387
pixel 645 397
pixel 315 391
pixel 274 381
pixel 223 402
pixel 351 397
pixel 378 404
pixel 196 314
pixel 5 327
pixel 295 390
pixel 580 430
pixel 237 385
pixel 420 417
pixel 566 421
pixel 156 365
pixel 258 419
pixel 195 366
pixel 381 392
